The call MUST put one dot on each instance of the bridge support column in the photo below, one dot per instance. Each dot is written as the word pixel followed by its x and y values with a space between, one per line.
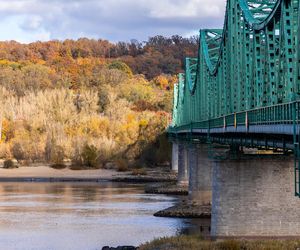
pixel 175 157
pixel 182 178
pixel 200 175
pixel 254 196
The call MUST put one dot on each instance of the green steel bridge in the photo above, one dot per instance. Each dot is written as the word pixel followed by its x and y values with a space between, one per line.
pixel 243 89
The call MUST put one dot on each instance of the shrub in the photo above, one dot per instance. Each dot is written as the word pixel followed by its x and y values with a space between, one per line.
pixel 10 164
pixel 28 147
pixel 93 153
pixel 24 163
pixel 122 165
pixel 18 151
pixel 77 145
pixel 90 156
pixel 77 167
pixel 121 66
pixel 58 166
pixel 55 155
pixel 4 151
pixel 107 149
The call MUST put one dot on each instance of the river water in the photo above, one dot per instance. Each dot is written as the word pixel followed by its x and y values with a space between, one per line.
pixel 83 216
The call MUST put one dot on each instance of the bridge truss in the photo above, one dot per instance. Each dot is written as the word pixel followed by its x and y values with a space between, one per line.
pixel 244 86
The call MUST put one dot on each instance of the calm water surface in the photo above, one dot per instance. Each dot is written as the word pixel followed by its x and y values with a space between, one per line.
pixel 82 216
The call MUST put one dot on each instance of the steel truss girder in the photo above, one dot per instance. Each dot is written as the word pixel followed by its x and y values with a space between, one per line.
pixel 250 67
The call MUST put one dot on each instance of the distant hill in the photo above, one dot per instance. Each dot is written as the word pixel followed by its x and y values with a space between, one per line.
pixel 159 55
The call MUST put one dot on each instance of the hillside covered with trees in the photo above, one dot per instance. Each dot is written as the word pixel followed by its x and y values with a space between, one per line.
pixel 90 101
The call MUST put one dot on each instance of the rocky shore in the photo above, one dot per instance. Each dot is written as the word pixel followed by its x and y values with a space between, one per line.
pixel 168 188
pixel 186 209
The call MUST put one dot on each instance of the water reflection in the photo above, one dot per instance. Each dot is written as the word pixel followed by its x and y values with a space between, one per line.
pixel 82 216
pixel 197 226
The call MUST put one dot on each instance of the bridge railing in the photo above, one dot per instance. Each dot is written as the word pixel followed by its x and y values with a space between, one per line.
pixel 285 113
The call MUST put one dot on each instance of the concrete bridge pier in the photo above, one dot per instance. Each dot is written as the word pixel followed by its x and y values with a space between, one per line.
pixel 200 175
pixel 183 170
pixel 175 157
pixel 253 196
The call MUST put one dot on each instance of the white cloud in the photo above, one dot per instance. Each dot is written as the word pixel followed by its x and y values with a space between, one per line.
pixel 110 19
pixel 10 29
pixel 187 9
pixel 32 22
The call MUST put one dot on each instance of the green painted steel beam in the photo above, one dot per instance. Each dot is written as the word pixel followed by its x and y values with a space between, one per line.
pixel 247 73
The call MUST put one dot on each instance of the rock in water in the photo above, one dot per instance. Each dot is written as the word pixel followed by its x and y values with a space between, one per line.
pixel 120 248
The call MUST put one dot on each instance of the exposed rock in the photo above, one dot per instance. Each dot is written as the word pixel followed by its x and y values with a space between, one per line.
pixel 171 189
pixel 120 248
pixel 186 210
pixel 155 174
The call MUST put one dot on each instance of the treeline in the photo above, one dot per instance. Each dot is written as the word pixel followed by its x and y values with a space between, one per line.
pixel 159 55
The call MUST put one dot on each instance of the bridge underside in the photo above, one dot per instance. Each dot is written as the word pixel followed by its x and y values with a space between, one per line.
pixel 277 137
pixel 276 142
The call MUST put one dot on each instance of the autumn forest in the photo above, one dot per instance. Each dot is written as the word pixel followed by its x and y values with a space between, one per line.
pixel 87 101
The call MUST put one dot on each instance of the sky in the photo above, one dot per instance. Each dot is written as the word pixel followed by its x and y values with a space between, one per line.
pixel 115 20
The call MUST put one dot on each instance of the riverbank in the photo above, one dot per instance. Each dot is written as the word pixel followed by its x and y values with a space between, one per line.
pixel 184 242
pixel 44 173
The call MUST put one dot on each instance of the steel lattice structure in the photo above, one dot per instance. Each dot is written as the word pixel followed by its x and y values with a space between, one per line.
pixel 246 78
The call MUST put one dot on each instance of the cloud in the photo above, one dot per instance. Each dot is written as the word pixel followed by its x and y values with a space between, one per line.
pixel 32 23
pixel 110 19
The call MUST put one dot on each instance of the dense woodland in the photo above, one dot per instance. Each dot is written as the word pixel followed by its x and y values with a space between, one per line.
pixel 89 101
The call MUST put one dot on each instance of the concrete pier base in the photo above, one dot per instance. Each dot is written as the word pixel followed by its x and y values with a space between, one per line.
pixel 254 197
pixel 182 179
pixel 200 175
pixel 175 157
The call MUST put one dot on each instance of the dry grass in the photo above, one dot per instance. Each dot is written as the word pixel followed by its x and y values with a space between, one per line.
pixel 10 164
pixel 196 243
pixel 53 124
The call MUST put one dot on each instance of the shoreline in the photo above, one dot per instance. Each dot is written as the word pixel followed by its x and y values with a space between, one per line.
pixel 44 173
pixel 125 179
pixel 52 179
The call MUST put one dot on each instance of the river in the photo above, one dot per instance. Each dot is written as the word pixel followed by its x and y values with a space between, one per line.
pixel 83 216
